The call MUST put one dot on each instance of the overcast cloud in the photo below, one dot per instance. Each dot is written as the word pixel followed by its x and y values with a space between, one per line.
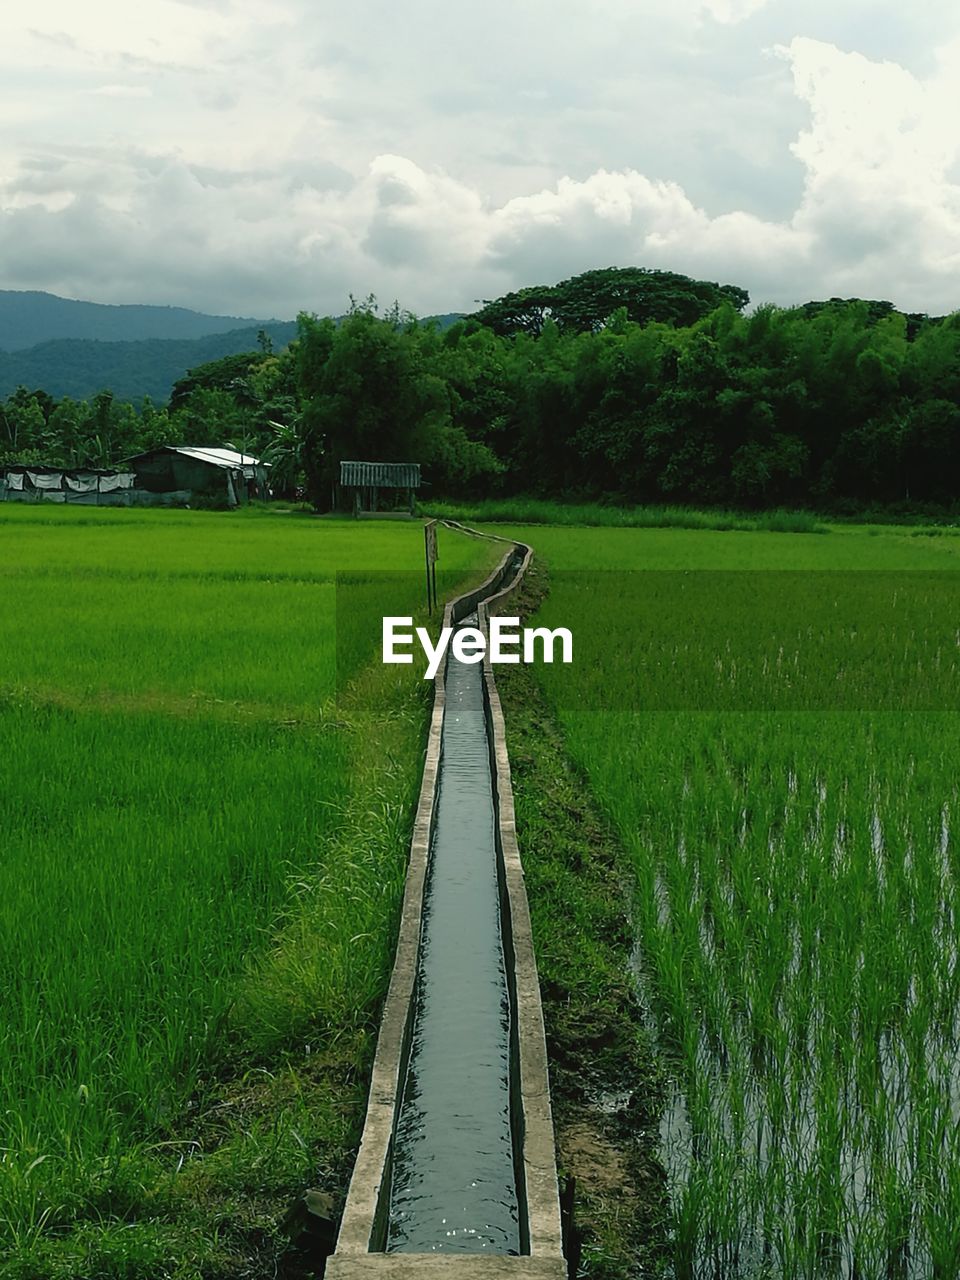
pixel 259 158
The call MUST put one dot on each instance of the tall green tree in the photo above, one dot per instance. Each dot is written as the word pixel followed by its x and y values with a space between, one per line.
pixel 586 302
pixel 370 393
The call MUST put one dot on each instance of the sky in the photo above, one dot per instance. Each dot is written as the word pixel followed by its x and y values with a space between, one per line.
pixel 262 157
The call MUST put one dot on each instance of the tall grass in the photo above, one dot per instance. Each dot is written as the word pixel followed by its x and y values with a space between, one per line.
pixel 544 511
pixel 797 890
pixel 145 857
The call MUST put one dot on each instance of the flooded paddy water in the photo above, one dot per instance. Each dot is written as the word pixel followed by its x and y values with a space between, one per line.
pixel 797 961
pixel 779 753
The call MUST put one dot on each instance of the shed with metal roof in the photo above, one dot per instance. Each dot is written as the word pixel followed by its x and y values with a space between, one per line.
pixel 208 471
pixel 366 479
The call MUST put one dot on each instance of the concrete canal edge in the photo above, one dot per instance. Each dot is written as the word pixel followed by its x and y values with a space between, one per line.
pixel 444 1266
pixel 361 1240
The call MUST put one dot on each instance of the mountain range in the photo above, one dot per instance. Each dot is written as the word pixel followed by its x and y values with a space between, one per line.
pixel 80 367
pixel 76 349
pixel 29 318
pixel 71 348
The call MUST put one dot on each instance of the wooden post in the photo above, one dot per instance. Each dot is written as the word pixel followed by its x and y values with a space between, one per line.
pixel 430 555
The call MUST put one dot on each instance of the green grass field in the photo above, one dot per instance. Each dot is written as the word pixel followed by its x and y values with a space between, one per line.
pixel 796 875
pixel 202 856
pixel 203 850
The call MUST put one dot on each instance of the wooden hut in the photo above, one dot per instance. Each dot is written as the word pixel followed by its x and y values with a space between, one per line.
pixel 364 480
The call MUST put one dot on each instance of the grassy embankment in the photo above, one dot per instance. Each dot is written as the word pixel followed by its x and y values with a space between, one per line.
pixel 203 854
pixel 542 511
pixel 789 833
pixel 919 520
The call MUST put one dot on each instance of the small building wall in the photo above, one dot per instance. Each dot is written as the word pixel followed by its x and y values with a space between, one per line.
pixel 84 485
pixel 167 470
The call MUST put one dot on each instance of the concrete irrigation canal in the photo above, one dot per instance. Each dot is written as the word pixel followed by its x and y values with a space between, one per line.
pixel 456 1173
pixel 453 1164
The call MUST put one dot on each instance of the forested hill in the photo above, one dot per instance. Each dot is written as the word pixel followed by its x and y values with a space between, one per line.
pixel 29 318
pixel 131 370
pixel 629 384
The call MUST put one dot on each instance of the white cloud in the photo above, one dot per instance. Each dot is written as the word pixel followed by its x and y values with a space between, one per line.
pixel 878 197
pixel 121 91
pixel 221 156
pixel 732 11
pixel 156 31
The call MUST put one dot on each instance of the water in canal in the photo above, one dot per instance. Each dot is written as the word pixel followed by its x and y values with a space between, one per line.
pixel 453 1185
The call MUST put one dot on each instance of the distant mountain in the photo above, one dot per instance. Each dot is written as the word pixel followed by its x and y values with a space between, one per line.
pixel 447 320
pixel 131 370
pixel 28 318
pixel 76 349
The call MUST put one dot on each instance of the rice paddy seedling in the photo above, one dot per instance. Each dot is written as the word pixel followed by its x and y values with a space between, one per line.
pixel 779 753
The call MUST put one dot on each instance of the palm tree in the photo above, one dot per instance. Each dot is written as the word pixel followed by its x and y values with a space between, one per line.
pixel 285 456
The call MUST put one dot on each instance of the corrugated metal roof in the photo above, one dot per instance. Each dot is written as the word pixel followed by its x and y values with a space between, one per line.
pixel 218 457
pixel 391 475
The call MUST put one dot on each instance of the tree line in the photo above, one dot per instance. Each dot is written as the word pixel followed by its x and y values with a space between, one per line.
pixel 628 385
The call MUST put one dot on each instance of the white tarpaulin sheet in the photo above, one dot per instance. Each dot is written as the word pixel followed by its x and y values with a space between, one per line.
pixel 46 480
pixel 123 480
pixel 15 480
pixel 81 484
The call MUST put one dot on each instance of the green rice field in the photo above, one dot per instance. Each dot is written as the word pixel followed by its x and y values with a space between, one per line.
pixel 201 859
pixel 770 723
pixel 206 796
